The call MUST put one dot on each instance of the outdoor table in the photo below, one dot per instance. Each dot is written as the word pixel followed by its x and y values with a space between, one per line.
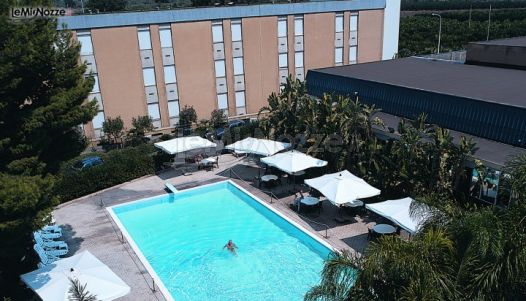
pixel 309 201
pixel 209 160
pixel 268 178
pixel 384 229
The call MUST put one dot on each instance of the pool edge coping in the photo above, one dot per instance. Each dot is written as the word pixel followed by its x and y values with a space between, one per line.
pixel 157 280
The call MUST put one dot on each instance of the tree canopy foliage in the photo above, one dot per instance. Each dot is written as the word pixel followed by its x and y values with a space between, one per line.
pixel 459 4
pixel 42 104
pixel 419 34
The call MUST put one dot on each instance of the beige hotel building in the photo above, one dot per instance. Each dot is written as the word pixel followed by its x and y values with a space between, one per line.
pixel 228 58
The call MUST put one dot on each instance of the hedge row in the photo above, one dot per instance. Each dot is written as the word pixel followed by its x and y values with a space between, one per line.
pixel 119 166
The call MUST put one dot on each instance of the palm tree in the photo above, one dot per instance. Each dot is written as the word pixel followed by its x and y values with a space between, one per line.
pixel 78 292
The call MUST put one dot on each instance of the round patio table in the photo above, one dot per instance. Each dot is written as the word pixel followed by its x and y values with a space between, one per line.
pixel 267 178
pixel 384 229
pixel 309 201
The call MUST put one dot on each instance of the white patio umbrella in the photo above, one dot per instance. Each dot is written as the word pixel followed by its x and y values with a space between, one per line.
pixel 293 161
pixel 52 282
pixel 256 146
pixel 399 212
pixel 342 187
pixel 184 144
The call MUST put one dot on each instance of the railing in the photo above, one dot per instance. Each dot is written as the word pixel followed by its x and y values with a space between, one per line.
pixel 122 240
pixel 273 196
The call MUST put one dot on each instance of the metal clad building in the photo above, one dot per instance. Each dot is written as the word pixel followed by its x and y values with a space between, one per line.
pixel 482 101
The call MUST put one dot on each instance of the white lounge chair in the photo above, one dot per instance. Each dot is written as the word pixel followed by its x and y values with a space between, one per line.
pixel 48 244
pixel 45 258
pixel 49 235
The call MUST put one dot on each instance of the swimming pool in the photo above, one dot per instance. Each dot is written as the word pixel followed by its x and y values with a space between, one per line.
pixel 179 237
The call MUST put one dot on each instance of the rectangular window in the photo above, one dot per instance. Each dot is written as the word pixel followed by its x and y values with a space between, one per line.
pixel 283 60
pixel 98 120
pixel 338 23
pixel 238 66
pixel 240 99
pixel 144 40
pixel 153 111
pixel 149 76
pixel 85 45
pixel 217 33
pixel 173 109
pixel 338 55
pixel 220 68
pixel 236 31
pixel 96 87
pixel 222 101
pixel 282 28
pixel 298 26
pixel 352 54
pixel 169 74
pixel 353 25
pixel 298 59
pixel 165 34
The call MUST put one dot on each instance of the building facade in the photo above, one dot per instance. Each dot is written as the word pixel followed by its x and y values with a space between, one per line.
pixel 227 58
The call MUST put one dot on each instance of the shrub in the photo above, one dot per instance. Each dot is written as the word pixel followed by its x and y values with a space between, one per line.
pixel 119 166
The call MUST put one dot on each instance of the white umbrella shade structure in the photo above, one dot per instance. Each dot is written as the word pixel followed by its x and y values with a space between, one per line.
pixel 52 282
pixel 293 161
pixel 342 187
pixel 184 144
pixel 256 146
pixel 398 211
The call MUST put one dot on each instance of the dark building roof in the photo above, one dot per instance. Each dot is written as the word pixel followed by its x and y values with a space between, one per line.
pixel 496 85
pixel 506 53
pixel 517 41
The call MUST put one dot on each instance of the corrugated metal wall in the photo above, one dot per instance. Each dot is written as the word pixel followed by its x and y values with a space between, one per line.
pixel 497 122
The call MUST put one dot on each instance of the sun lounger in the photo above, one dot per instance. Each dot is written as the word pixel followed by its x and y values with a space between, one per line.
pixel 48 244
pixel 49 235
pixel 45 259
pixel 52 229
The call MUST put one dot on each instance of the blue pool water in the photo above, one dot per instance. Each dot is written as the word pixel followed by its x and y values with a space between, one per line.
pixel 182 236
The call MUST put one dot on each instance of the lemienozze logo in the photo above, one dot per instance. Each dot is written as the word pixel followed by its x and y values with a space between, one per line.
pixel 37 12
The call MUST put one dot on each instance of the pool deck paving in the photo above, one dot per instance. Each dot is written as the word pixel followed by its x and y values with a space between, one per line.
pixel 88 226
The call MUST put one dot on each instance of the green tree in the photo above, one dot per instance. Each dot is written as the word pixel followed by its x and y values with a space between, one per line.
pixel 42 104
pixel 187 117
pixel 42 91
pixel 113 129
pixel 218 119
pixel 140 126
pixel 283 110
pixel 107 5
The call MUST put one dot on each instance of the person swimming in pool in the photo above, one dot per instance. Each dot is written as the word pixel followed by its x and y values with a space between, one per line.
pixel 231 246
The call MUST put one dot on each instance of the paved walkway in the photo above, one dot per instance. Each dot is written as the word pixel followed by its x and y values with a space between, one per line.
pixel 88 226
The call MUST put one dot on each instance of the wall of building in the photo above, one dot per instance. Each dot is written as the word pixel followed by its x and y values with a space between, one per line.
pixel 116 52
pixel 118 59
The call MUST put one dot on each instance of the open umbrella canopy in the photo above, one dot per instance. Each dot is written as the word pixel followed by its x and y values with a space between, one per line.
pixel 256 146
pixel 399 212
pixel 293 161
pixel 52 282
pixel 342 187
pixel 184 144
